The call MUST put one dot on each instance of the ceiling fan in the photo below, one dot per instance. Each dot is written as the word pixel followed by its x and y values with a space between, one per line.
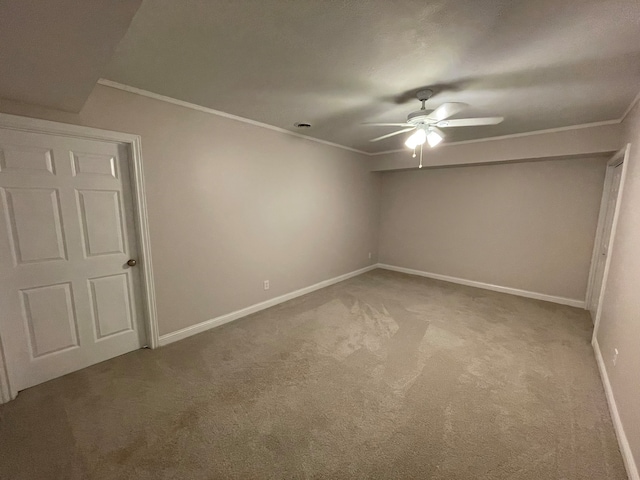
pixel 428 125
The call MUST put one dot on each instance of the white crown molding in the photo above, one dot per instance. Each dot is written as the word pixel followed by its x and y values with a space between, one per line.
pixel 517 135
pixel 211 111
pixel 193 106
pixel 630 107
pixel 387 152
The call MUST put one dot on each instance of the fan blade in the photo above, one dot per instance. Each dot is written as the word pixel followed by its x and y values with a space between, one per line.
pixel 446 110
pixel 470 122
pixel 392 134
pixel 375 124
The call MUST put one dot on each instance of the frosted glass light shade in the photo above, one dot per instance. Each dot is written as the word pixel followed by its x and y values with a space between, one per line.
pixel 417 138
pixel 434 138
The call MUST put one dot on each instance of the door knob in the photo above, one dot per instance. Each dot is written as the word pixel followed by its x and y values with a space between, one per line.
pixel 132 263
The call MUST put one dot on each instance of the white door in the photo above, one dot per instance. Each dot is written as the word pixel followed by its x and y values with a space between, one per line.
pixel 68 297
pixel 605 238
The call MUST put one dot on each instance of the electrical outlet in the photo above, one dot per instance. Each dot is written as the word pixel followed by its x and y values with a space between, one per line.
pixel 369 255
pixel 615 356
pixel 266 284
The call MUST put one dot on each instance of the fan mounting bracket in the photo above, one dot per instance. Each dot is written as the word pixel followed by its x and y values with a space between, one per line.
pixel 424 95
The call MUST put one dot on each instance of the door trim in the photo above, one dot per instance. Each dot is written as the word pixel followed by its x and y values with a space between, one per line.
pixel 33 125
pixel 621 157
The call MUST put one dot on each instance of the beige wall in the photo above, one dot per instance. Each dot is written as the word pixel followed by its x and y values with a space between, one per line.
pixel 528 226
pixel 620 317
pixel 231 205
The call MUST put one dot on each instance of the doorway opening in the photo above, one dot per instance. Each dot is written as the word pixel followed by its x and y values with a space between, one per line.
pixel 605 233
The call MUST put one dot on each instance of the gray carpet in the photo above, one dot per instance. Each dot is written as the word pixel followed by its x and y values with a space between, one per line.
pixel 382 376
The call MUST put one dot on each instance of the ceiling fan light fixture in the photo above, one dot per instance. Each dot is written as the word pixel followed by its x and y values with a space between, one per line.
pixel 417 138
pixel 434 137
pixel 423 124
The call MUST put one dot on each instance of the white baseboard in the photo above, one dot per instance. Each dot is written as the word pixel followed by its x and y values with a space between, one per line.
pixel 487 286
pixel 229 317
pixel 625 448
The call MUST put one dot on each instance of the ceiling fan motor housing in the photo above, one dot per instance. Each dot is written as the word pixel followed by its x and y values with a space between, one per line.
pixel 419 116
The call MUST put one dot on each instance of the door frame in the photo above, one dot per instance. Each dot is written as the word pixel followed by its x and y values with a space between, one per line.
pixel 621 157
pixel 133 142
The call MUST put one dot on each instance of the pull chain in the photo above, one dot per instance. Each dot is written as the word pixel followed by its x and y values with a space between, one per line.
pixel 414 152
pixel 420 166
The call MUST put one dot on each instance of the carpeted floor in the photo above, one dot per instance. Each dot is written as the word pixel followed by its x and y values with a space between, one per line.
pixel 382 376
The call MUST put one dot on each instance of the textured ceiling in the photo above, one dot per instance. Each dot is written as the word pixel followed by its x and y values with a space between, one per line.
pixel 53 52
pixel 335 64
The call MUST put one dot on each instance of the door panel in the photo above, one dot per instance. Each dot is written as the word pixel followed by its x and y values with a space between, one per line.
pixel 101 221
pixel 111 307
pixel 93 164
pixel 66 232
pixel 27 159
pixel 33 219
pixel 50 318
